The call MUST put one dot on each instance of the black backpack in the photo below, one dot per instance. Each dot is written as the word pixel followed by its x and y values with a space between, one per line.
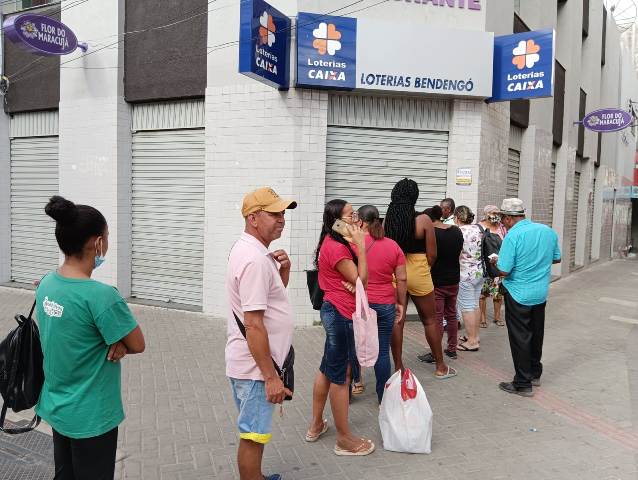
pixel 491 243
pixel 21 372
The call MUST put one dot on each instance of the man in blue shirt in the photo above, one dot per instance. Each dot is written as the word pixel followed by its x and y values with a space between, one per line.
pixel 525 260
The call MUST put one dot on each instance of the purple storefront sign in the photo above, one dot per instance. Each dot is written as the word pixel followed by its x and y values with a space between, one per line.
pixel 41 34
pixel 607 120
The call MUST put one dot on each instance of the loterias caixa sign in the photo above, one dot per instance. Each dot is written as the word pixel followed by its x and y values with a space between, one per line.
pixel 264 43
pixel 366 54
pixel 523 66
pixel 41 35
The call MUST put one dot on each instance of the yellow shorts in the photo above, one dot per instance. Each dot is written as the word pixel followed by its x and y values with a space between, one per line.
pixel 419 277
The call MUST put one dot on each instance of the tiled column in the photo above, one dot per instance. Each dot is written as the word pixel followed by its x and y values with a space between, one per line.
pixel 95 150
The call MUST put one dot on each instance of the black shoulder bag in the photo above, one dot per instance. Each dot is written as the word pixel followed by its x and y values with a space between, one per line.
pixel 287 371
pixel 314 291
pixel 21 372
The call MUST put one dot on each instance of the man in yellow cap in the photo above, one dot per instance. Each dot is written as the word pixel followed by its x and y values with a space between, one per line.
pixel 256 281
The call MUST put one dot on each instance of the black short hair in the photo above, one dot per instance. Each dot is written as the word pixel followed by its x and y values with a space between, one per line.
pixel 449 202
pixel 435 212
pixel 74 224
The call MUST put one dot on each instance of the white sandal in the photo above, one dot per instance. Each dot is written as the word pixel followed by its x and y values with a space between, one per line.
pixel 365 448
pixel 313 438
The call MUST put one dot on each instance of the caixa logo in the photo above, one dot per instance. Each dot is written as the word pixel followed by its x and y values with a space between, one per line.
pixel 525 56
pixel 264 58
pixel 267 30
pixel 327 40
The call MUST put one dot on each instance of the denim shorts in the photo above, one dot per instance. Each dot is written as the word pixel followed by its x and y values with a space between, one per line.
pixel 469 294
pixel 255 412
pixel 339 349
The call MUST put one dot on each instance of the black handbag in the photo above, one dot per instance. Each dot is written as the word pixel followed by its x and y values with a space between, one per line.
pixel 21 372
pixel 287 370
pixel 315 292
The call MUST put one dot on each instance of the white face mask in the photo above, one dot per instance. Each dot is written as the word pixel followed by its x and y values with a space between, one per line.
pixel 494 218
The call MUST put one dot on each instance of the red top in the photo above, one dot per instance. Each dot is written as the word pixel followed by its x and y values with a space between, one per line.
pixel 331 253
pixel 383 258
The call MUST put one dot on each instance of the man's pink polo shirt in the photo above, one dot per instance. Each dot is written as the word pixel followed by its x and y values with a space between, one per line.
pixel 253 283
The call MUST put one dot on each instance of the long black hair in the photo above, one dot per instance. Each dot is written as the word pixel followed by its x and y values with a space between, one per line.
pixel 370 215
pixel 331 213
pixel 399 221
pixel 74 224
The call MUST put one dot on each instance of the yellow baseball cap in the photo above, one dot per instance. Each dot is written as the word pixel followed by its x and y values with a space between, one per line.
pixel 265 199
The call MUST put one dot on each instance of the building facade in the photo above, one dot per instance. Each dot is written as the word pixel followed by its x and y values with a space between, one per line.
pixel 154 126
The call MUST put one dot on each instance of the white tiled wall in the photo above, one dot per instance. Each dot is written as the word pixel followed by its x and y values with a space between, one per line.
pixel 95 134
pixel 464 150
pixel 5 205
pixel 494 151
pixel 257 136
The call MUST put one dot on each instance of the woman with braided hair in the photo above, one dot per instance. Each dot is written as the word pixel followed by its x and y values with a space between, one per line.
pixel 415 235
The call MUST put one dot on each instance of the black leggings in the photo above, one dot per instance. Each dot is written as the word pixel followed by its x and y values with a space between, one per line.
pixel 85 459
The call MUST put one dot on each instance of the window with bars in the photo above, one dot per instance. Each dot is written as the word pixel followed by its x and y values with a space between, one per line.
pixel 559 103
pixel 599 150
pixel 591 218
pixel 582 110
pixel 604 35
pixel 552 189
pixel 519 109
pixel 513 173
pixel 22 4
pixel 574 220
pixel 585 18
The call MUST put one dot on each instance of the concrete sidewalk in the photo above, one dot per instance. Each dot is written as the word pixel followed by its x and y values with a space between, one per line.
pixel 582 423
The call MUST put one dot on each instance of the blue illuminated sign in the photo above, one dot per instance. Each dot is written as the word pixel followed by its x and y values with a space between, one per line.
pixel 523 66
pixel 264 43
pixel 326 51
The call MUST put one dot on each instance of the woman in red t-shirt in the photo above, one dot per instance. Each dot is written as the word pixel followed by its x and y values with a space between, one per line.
pixel 338 265
pixel 386 263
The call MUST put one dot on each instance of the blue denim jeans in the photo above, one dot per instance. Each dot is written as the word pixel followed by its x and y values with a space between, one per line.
pixel 385 322
pixel 339 349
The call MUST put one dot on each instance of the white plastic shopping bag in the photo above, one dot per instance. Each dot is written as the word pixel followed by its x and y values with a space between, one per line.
pixel 405 416
pixel 366 335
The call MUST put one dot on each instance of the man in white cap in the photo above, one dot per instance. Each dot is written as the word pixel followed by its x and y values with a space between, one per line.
pixel 260 325
pixel 525 260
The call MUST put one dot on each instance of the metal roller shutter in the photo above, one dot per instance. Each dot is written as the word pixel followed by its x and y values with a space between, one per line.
pixel 574 220
pixel 592 205
pixel 363 164
pixel 168 215
pixel 34 179
pixel 513 173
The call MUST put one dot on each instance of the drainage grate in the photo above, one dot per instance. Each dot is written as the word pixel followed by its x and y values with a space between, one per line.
pixel 28 456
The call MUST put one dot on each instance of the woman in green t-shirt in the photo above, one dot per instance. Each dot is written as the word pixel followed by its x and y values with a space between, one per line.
pixel 86 328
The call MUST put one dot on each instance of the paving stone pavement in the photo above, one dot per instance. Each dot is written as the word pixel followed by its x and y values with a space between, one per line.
pixel 582 423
